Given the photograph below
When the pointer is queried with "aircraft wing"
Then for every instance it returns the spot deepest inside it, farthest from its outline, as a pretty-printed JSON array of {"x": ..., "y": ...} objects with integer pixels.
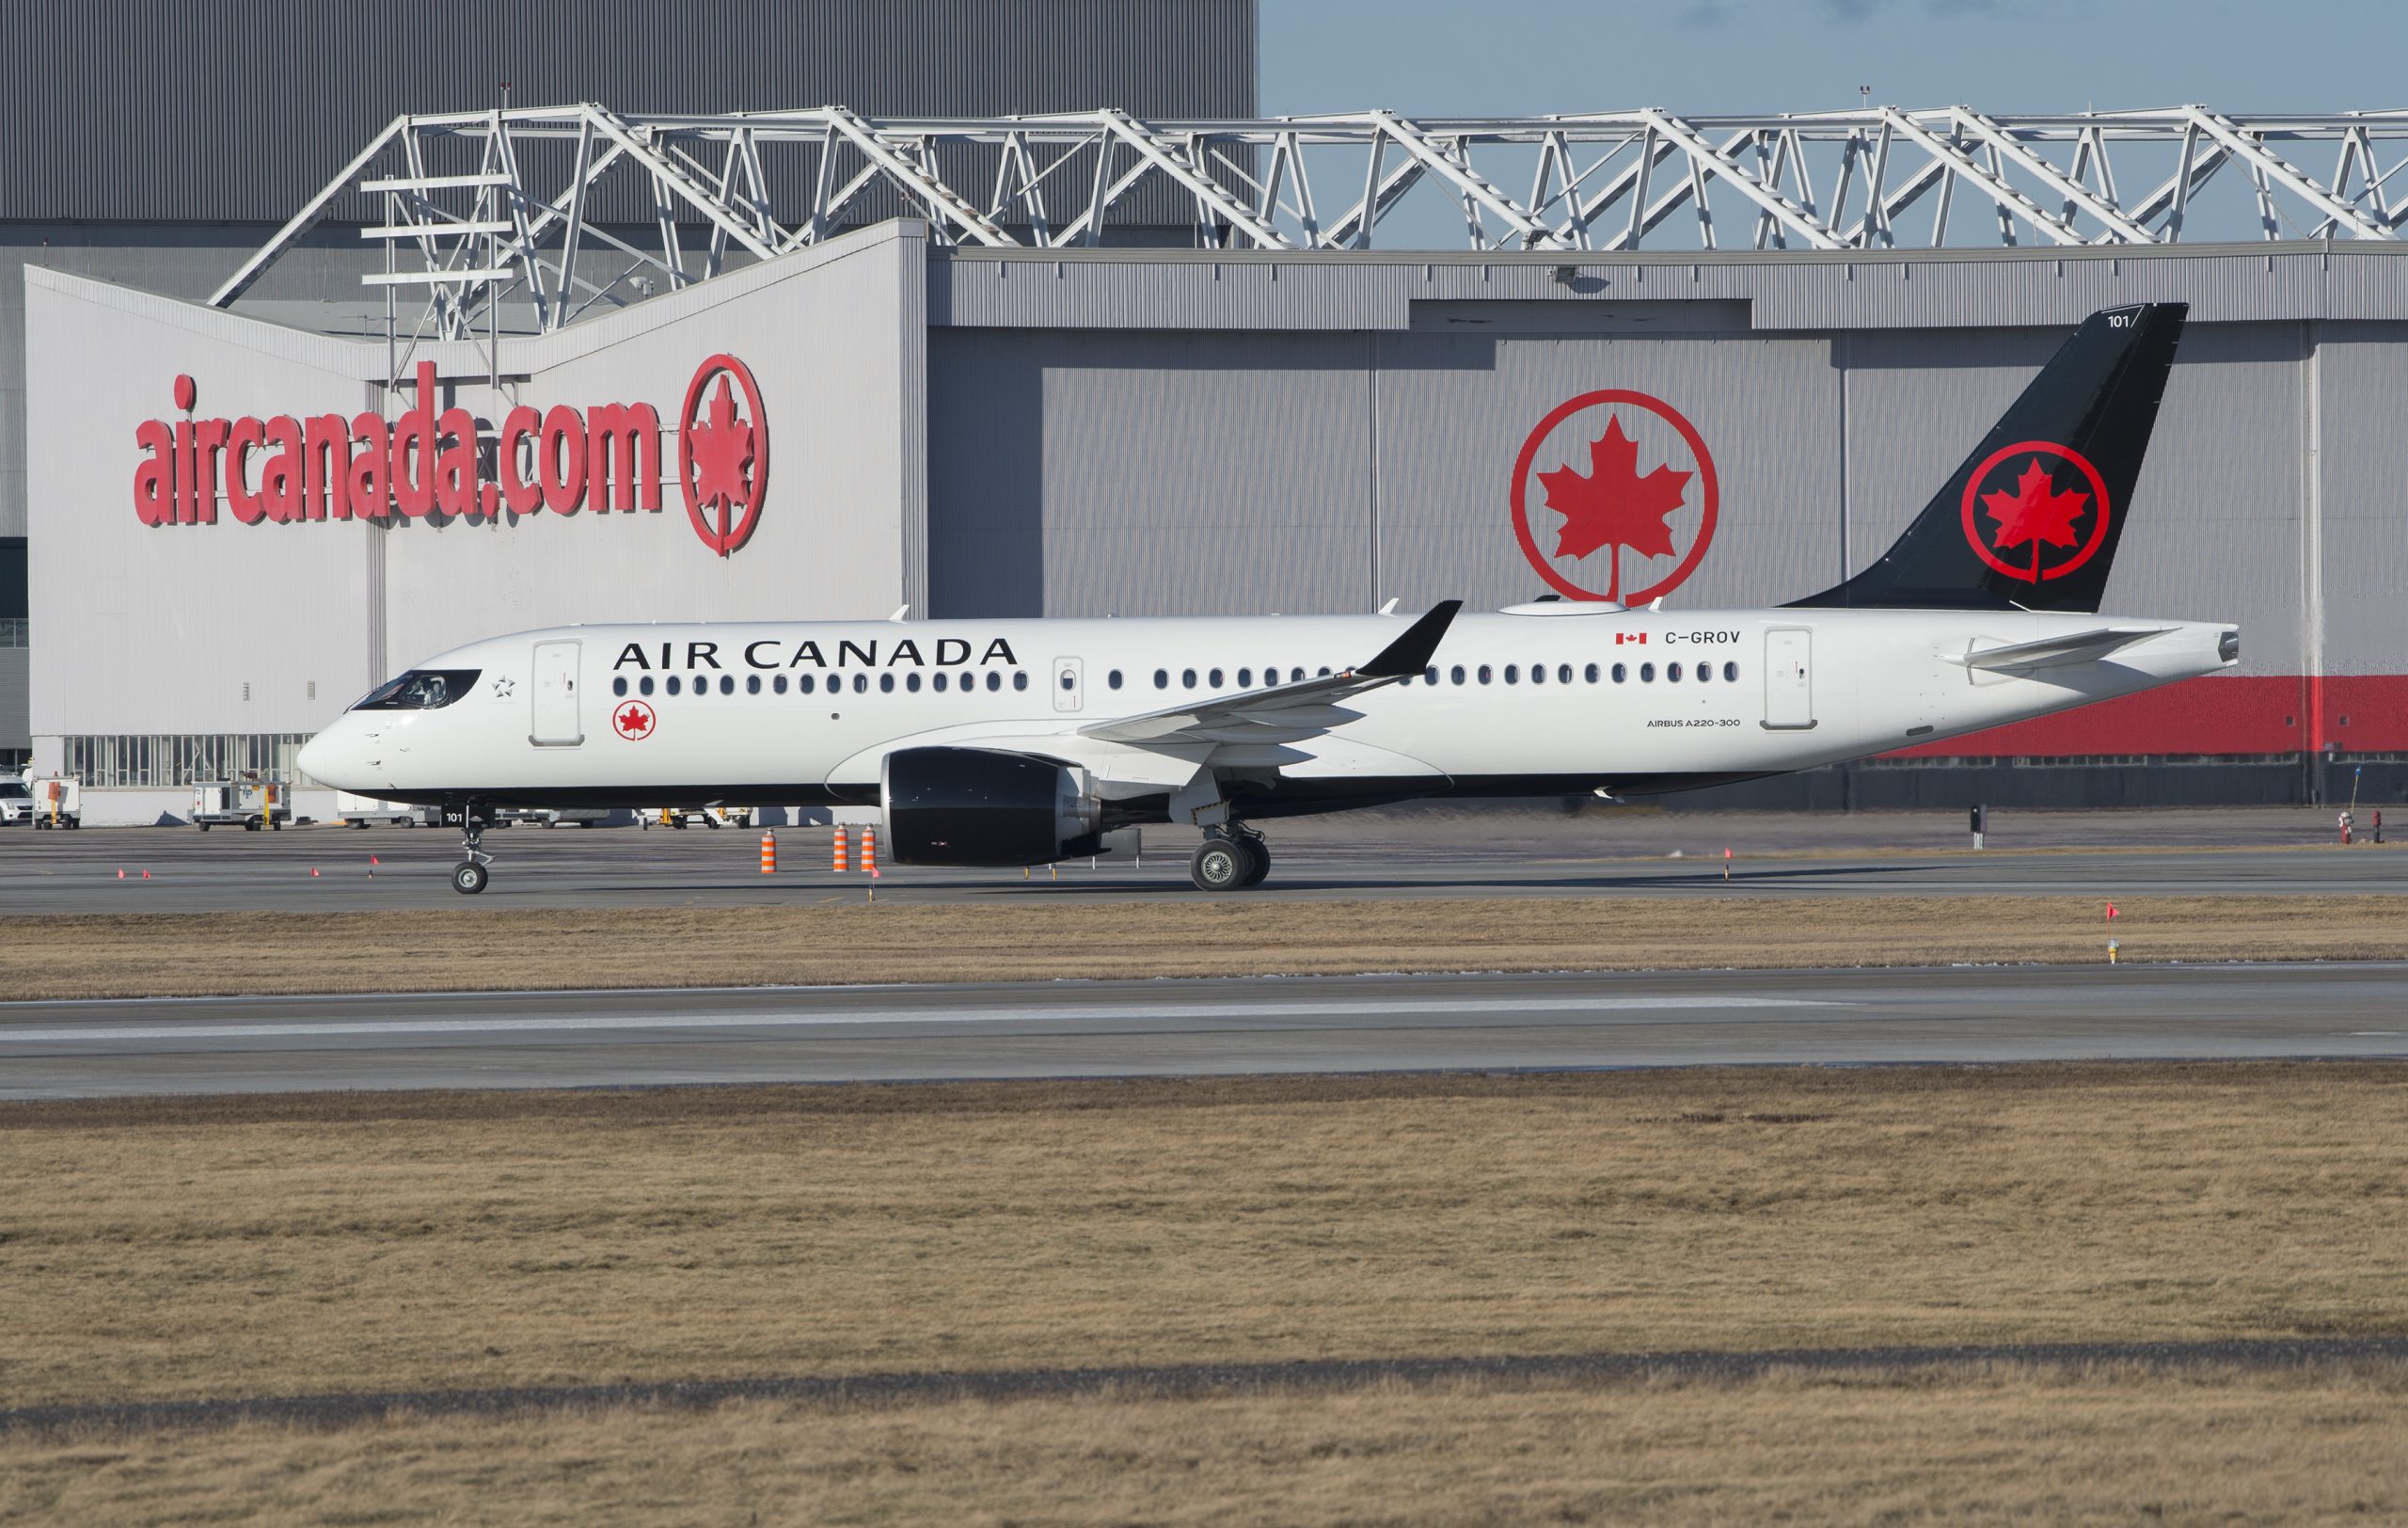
[
  {"x": 2056, "y": 652},
  {"x": 1283, "y": 712}
]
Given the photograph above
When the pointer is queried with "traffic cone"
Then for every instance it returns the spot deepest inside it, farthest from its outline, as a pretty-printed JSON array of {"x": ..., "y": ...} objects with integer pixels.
[
  {"x": 768, "y": 854},
  {"x": 869, "y": 850},
  {"x": 839, "y": 866},
  {"x": 145, "y": 875},
  {"x": 120, "y": 875},
  {"x": 313, "y": 872}
]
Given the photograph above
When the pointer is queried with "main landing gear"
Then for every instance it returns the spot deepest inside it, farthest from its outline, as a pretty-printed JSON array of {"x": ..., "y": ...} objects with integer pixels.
[
  {"x": 1233, "y": 858},
  {"x": 468, "y": 877}
]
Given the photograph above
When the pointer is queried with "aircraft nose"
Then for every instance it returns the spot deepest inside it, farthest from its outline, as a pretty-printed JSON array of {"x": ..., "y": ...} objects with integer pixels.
[{"x": 321, "y": 758}]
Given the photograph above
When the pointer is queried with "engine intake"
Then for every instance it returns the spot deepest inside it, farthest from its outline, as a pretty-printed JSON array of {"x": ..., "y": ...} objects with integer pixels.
[{"x": 985, "y": 806}]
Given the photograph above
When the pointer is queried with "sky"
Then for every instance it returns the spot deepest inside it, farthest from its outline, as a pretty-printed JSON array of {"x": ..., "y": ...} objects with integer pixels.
[
  {"x": 1514, "y": 58},
  {"x": 1531, "y": 57}
]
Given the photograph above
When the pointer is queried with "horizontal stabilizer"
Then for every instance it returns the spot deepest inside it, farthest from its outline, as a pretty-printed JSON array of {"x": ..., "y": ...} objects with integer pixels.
[{"x": 2057, "y": 652}]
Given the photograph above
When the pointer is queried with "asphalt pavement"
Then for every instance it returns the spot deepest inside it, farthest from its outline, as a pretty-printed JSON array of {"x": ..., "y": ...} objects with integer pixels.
[
  {"x": 1258, "y": 1024},
  {"x": 1407, "y": 854}
]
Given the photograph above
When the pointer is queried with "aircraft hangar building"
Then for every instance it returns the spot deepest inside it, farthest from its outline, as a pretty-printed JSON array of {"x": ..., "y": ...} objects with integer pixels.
[{"x": 1027, "y": 390}]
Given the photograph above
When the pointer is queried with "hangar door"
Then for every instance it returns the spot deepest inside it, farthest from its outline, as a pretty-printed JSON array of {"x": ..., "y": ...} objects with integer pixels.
[
  {"x": 556, "y": 720},
  {"x": 1789, "y": 678}
]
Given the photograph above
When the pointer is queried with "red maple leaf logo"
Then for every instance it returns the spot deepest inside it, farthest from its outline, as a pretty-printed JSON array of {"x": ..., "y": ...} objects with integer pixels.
[
  {"x": 1613, "y": 505},
  {"x": 722, "y": 456},
  {"x": 2035, "y": 513},
  {"x": 634, "y": 722}
]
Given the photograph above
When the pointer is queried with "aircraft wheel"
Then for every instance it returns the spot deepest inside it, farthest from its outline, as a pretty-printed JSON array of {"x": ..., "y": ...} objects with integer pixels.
[
  {"x": 467, "y": 878},
  {"x": 1222, "y": 865},
  {"x": 1259, "y": 854},
  {"x": 202, "y": 826}
]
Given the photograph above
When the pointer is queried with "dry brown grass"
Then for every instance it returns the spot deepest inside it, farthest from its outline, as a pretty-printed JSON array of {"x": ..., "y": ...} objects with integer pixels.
[
  {"x": 189, "y": 954},
  {"x": 232, "y": 1247},
  {"x": 2019, "y": 1446}
]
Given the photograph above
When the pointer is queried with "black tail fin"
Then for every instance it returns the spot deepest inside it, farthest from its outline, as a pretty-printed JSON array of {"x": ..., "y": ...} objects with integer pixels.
[{"x": 2032, "y": 518}]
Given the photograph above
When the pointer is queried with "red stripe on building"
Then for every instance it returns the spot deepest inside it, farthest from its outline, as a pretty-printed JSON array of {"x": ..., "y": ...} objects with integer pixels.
[{"x": 2255, "y": 714}]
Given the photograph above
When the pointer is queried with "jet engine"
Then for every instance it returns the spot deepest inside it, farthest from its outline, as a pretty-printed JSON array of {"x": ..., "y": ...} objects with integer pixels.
[{"x": 986, "y": 807}]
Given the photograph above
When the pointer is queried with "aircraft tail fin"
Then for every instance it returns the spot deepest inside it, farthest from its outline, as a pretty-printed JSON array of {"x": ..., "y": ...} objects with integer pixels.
[{"x": 2032, "y": 518}]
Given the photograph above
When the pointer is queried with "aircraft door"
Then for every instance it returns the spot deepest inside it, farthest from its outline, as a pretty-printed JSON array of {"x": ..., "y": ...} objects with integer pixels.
[
  {"x": 1069, "y": 685},
  {"x": 1789, "y": 678},
  {"x": 557, "y": 717}
]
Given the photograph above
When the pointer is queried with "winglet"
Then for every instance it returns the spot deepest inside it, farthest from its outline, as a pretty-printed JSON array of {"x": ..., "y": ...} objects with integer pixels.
[{"x": 1410, "y": 653}]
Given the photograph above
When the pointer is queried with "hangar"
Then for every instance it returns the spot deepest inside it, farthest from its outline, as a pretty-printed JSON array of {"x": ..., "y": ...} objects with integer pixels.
[{"x": 1032, "y": 390}]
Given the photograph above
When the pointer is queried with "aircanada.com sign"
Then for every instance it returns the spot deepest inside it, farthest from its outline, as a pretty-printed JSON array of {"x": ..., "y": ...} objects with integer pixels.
[{"x": 291, "y": 470}]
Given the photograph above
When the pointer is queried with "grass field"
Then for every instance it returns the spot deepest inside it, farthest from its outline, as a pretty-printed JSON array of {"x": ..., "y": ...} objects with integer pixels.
[
  {"x": 2043, "y": 1447},
  {"x": 154, "y": 1249},
  {"x": 176, "y": 954},
  {"x": 261, "y": 1245}
]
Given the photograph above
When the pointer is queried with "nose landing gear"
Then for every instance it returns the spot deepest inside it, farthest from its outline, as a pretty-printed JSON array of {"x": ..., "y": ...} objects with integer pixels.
[
  {"x": 468, "y": 877},
  {"x": 1233, "y": 858}
]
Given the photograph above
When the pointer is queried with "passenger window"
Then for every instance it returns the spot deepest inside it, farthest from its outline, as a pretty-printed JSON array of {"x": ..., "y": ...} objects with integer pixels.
[
  {"x": 939, "y": 681},
  {"x": 1672, "y": 672},
  {"x": 1246, "y": 678},
  {"x": 1704, "y": 672},
  {"x": 1537, "y": 673},
  {"x": 1486, "y": 674},
  {"x": 994, "y": 681},
  {"x": 1161, "y": 678},
  {"x": 861, "y": 684},
  {"x": 1457, "y": 673},
  {"x": 674, "y": 684},
  {"x": 1431, "y": 673},
  {"x": 886, "y": 684},
  {"x": 752, "y": 684},
  {"x": 619, "y": 684},
  {"x": 1513, "y": 673},
  {"x": 1564, "y": 674},
  {"x": 727, "y": 684},
  {"x": 911, "y": 682},
  {"x": 1019, "y": 681},
  {"x": 1646, "y": 674},
  {"x": 1593, "y": 674},
  {"x": 1731, "y": 673},
  {"x": 1187, "y": 679},
  {"x": 804, "y": 684},
  {"x": 1621, "y": 673},
  {"x": 1069, "y": 680},
  {"x": 778, "y": 683},
  {"x": 643, "y": 686},
  {"x": 1324, "y": 673},
  {"x": 1112, "y": 678}
]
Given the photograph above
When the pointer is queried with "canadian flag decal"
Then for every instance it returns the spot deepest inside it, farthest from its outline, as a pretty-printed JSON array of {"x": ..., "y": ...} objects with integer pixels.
[{"x": 1621, "y": 637}]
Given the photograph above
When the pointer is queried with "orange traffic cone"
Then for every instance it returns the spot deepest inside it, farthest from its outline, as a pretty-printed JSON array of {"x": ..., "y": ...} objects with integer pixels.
[
  {"x": 768, "y": 854},
  {"x": 840, "y": 851}
]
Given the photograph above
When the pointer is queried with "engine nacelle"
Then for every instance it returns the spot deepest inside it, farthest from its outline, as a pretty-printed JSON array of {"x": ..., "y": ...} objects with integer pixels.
[{"x": 985, "y": 806}]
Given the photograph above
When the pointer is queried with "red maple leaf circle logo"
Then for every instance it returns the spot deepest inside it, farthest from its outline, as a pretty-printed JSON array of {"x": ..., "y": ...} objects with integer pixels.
[
  {"x": 2027, "y": 508},
  {"x": 723, "y": 455},
  {"x": 633, "y": 721},
  {"x": 1613, "y": 506}
]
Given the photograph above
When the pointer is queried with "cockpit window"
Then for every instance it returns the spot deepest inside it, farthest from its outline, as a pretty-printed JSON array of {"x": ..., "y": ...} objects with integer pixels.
[{"x": 421, "y": 690}]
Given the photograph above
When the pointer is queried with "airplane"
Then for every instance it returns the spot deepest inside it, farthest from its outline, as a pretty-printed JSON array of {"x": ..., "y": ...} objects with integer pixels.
[{"x": 1002, "y": 742}]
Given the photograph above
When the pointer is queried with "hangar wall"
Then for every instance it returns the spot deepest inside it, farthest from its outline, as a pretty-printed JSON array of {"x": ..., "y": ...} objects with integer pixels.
[
  {"x": 1325, "y": 437},
  {"x": 272, "y": 628}
]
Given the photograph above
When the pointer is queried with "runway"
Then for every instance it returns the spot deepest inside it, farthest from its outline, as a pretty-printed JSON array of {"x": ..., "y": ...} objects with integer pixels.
[
  {"x": 1524, "y": 853},
  {"x": 1274, "y": 1025}
]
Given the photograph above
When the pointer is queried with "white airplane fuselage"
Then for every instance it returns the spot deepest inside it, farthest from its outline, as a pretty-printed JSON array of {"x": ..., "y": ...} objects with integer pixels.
[{"x": 1554, "y": 699}]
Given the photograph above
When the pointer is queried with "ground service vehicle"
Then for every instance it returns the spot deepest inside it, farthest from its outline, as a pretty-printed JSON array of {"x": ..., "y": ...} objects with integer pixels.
[{"x": 252, "y": 804}]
